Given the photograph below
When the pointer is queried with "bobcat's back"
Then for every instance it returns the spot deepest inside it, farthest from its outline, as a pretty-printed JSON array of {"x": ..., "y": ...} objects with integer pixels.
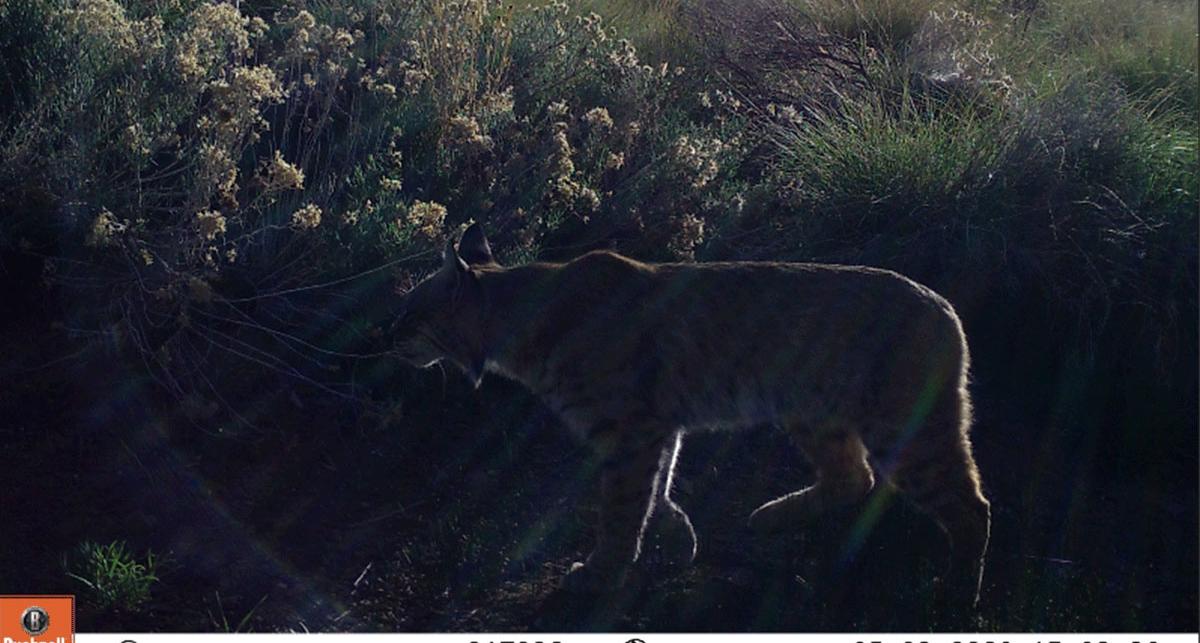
[{"x": 732, "y": 344}]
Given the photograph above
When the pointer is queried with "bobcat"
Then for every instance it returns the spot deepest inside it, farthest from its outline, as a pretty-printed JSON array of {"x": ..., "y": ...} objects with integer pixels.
[{"x": 850, "y": 360}]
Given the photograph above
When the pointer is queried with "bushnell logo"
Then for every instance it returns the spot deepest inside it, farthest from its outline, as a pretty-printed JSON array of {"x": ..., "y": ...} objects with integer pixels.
[{"x": 35, "y": 620}]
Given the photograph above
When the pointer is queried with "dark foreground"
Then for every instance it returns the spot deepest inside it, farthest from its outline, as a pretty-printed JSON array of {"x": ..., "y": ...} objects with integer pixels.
[{"x": 460, "y": 510}]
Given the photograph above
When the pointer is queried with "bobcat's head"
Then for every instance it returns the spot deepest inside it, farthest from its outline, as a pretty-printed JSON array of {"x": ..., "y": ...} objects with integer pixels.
[{"x": 442, "y": 317}]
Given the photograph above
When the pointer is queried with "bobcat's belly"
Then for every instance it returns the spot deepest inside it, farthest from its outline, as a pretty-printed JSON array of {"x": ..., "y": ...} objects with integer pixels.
[
  {"x": 726, "y": 402},
  {"x": 686, "y": 411}
]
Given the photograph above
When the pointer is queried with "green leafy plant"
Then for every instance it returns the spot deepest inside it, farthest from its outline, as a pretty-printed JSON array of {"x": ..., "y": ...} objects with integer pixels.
[{"x": 112, "y": 576}]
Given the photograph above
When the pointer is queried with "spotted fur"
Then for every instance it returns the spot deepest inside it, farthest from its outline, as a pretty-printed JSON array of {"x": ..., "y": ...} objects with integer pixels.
[{"x": 852, "y": 361}]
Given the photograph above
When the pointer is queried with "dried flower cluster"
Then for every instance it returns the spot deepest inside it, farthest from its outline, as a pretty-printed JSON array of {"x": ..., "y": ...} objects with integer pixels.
[
  {"x": 597, "y": 119},
  {"x": 210, "y": 224},
  {"x": 280, "y": 175},
  {"x": 427, "y": 218},
  {"x": 565, "y": 191},
  {"x": 217, "y": 32},
  {"x": 106, "y": 22},
  {"x": 464, "y": 132},
  {"x": 104, "y": 230},
  {"x": 687, "y": 234},
  {"x": 696, "y": 158},
  {"x": 307, "y": 217}
]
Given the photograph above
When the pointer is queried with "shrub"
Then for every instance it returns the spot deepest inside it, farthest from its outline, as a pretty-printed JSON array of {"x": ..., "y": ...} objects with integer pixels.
[
  {"x": 887, "y": 25},
  {"x": 189, "y": 165},
  {"x": 207, "y": 180},
  {"x": 769, "y": 52},
  {"x": 1067, "y": 192}
]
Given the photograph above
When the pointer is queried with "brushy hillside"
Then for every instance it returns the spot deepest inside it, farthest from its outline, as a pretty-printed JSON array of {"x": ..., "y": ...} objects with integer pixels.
[{"x": 208, "y": 209}]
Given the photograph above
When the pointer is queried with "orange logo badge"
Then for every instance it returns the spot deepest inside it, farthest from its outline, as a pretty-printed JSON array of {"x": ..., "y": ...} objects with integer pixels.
[{"x": 37, "y": 619}]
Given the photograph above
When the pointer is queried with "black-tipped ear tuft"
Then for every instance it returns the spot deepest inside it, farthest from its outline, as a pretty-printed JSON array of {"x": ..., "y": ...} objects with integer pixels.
[{"x": 474, "y": 248}]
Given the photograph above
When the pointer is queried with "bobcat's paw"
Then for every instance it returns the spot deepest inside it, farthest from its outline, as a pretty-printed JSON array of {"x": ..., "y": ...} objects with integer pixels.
[
  {"x": 794, "y": 509},
  {"x": 956, "y": 595},
  {"x": 588, "y": 579},
  {"x": 669, "y": 541},
  {"x": 774, "y": 517}
]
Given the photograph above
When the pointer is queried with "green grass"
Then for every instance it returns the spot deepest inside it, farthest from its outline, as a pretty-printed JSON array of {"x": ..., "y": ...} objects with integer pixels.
[
  {"x": 1149, "y": 47},
  {"x": 653, "y": 26},
  {"x": 112, "y": 577},
  {"x": 220, "y": 620},
  {"x": 888, "y": 25},
  {"x": 1090, "y": 193},
  {"x": 873, "y": 157}
]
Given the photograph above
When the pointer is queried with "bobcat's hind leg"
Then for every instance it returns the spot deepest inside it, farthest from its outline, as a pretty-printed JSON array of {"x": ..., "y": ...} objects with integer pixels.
[
  {"x": 843, "y": 478},
  {"x": 672, "y": 539},
  {"x": 630, "y": 455},
  {"x": 939, "y": 475}
]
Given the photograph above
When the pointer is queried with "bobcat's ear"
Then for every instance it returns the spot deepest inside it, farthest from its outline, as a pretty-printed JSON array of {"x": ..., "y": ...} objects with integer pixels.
[
  {"x": 451, "y": 263},
  {"x": 474, "y": 248}
]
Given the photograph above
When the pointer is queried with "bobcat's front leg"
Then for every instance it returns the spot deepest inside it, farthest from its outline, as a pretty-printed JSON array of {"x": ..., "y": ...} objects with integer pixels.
[
  {"x": 630, "y": 460},
  {"x": 668, "y": 527}
]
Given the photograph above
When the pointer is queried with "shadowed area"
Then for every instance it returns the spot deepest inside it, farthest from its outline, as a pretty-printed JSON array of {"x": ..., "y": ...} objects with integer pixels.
[{"x": 464, "y": 509}]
